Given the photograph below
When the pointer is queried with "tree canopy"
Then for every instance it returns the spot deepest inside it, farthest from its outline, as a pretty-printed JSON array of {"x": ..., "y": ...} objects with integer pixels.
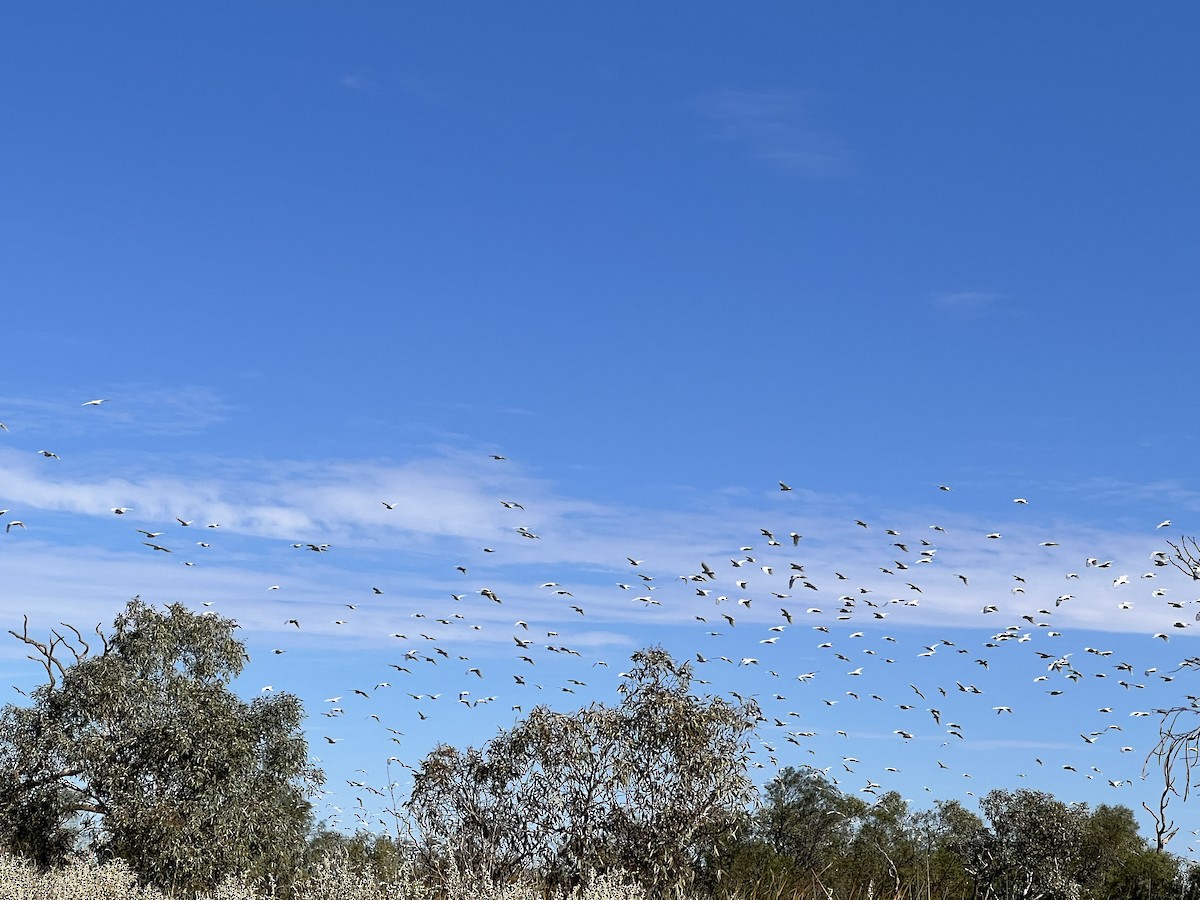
[
  {"x": 139, "y": 748},
  {"x": 648, "y": 787}
]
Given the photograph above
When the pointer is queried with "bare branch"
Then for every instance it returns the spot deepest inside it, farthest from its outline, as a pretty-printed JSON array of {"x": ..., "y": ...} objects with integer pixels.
[
  {"x": 79, "y": 637},
  {"x": 47, "y": 657},
  {"x": 1186, "y": 558}
]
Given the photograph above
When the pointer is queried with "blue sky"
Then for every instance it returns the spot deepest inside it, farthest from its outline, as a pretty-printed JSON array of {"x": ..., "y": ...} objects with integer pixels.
[{"x": 317, "y": 259}]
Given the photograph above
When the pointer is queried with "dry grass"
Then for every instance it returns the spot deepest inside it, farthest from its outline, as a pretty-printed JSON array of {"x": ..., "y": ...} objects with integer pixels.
[{"x": 332, "y": 880}]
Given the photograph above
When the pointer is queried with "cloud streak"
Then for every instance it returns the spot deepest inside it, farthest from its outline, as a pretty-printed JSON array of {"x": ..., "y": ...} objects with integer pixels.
[{"x": 777, "y": 127}]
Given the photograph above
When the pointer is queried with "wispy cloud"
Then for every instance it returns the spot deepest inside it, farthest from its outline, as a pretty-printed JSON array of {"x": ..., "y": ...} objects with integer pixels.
[
  {"x": 777, "y": 127},
  {"x": 449, "y": 507},
  {"x": 146, "y": 408},
  {"x": 971, "y": 304},
  {"x": 430, "y": 624},
  {"x": 425, "y": 90}
]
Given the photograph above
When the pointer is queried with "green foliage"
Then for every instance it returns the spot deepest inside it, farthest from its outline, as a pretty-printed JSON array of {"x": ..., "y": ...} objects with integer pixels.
[
  {"x": 806, "y": 819},
  {"x": 376, "y": 857},
  {"x": 809, "y": 838},
  {"x": 1033, "y": 846},
  {"x": 649, "y": 787},
  {"x": 167, "y": 767}
]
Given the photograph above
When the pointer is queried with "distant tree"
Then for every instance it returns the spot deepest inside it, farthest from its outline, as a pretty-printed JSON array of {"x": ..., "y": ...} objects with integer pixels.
[
  {"x": 142, "y": 750},
  {"x": 377, "y": 857},
  {"x": 649, "y": 787},
  {"x": 805, "y": 818},
  {"x": 1110, "y": 840},
  {"x": 1031, "y": 849},
  {"x": 884, "y": 850},
  {"x": 942, "y": 833}
]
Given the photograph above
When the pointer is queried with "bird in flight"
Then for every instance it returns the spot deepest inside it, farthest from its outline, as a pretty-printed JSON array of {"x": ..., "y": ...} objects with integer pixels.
[{"x": 94, "y": 402}]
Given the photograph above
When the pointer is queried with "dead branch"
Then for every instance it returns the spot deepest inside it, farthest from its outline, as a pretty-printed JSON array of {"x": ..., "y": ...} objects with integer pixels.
[
  {"x": 1177, "y": 746},
  {"x": 104, "y": 640},
  {"x": 1186, "y": 558},
  {"x": 79, "y": 637},
  {"x": 47, "y": 657}
]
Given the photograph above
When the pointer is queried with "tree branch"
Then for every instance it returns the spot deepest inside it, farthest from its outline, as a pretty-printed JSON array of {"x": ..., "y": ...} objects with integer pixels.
[{"x": 47, "y": 658}]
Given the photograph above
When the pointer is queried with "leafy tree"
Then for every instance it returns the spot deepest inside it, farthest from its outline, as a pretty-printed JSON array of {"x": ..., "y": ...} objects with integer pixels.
[
  {"x": 1148, "y": 874},
  {"x": 1032, "y": 848},
  {"x": 377, "y": 857},
  {"x": 799, "y": 832},
  {"x": 1110, "y": 840},
  {"x": 144, "y": 750},
  {"x": 941, "y": 833},
  {"x": 806, "y": 819},
  {"x": 649, "y": 787},
  {"x": 884, "y": 850}
]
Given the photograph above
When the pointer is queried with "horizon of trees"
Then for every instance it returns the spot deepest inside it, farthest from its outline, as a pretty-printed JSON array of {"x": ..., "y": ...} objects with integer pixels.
[{"x": 136, "y": 748}]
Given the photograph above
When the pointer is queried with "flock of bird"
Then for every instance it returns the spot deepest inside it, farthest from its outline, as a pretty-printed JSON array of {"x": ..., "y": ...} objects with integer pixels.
[{"x": 816, "y": 646}]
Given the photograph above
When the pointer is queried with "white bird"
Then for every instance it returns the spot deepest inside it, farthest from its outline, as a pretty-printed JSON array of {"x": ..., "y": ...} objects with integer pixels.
[
  {"x": 49, "y": 455},
  {"x": 15, "y": 523},
  {"x": 121, "y": 510},
  {"x": 94, "y": 402}
]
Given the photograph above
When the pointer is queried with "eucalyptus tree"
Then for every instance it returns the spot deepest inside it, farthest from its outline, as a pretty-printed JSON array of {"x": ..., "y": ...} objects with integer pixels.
[
  {"x": 1032, "y": 847},
  {"x": 136, "y": 747},
  {"x": 648, "y": 787}
]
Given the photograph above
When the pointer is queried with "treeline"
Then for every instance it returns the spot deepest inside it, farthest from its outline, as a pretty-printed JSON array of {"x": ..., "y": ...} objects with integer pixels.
[
  {"x": 136, "y": 750},
  {"x": 810, "y": 839},
  {"x": 804, "y": 838}
]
